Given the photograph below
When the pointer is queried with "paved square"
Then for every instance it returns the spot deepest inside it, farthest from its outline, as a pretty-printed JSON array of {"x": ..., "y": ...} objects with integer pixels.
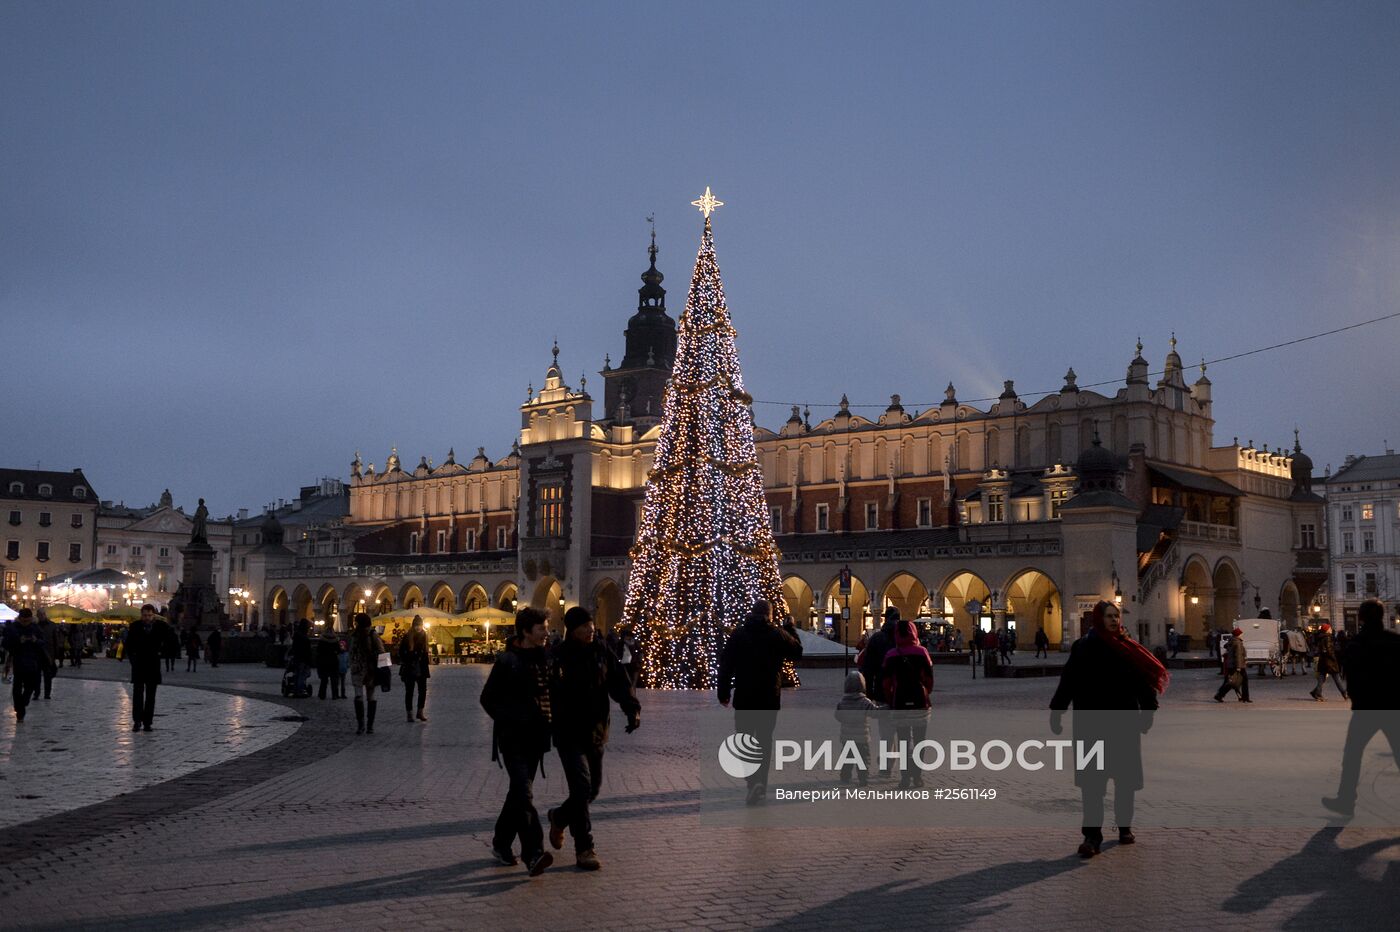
[{"x": 324, "y": 829}]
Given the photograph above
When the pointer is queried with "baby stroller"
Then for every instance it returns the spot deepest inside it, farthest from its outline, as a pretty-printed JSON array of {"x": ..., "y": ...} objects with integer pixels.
[{"x": 289, "y": 683}]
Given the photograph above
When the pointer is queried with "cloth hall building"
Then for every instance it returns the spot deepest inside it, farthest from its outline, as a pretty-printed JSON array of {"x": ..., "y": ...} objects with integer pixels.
[{"x": 1015, "y": 514}]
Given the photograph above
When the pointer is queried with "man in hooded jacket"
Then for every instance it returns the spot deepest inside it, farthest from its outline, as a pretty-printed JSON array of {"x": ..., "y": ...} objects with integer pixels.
[{"x": 750, "y": 672}]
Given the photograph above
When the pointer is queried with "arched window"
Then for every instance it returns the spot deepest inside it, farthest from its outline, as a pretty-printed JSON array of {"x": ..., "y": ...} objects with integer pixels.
[
  {"x": 46, "y": 490},
  {"x": 79, "y": 492},
  {"x": 1053, "y": 450},
  {"x": 16, "y": 488}
]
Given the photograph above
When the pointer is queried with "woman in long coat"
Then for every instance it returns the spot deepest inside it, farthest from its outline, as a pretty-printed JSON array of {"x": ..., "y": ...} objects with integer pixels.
[
  {"x": 1116, "y": 681},
  {"x": 365, "y": 648},
  {"x": 1327, "y": 664},
  {"x": 413, "y": 668}
]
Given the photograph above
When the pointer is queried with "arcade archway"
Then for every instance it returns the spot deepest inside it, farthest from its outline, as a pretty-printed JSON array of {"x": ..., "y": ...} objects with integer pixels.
[
  {"x": 410, "y": 596},
  {"x": 1226, "y": 579},
  {"x": 1033, "y": 601},
  {"x": 549, "y": 598},
  {"x": 833, "y": 603},
  {"x": 1289, "y": 604},
  {"x": 1198, "y": 598},
  {"x": 474, "y": 596},
  {"x": 507, "y": 597},
  {"x": 967, "y": 602},
  {"x": 442, "y": 598},
  {"x": 799, "y": 600},
  {"x": 906, "y": 593},
  {"x": 302, "y": 605},
  {"x": 607, "y": 605}
]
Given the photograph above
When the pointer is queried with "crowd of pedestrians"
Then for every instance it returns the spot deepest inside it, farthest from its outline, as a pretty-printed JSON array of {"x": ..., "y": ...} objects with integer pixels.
[{"x": 548, "y": 693}]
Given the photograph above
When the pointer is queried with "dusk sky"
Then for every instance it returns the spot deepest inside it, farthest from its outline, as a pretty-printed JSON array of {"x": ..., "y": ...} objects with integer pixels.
[{"x": 239, "y": 241}]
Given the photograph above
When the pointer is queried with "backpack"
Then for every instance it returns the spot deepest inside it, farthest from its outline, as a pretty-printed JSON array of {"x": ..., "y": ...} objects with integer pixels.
[{"x": 907, "y": 670}]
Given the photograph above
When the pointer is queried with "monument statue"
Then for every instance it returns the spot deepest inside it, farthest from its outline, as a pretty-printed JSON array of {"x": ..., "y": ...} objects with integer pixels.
[{"x": 200, "y": 534}]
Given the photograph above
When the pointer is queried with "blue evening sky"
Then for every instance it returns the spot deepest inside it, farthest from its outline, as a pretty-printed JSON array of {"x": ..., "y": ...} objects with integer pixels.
[{"x": 240, "y": 241}]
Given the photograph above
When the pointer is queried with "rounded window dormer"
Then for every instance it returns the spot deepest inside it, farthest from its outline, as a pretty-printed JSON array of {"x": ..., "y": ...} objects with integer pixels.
[
  {"x": 16, "y": 488},
  {"x": 79, "y": 492},
  {"x": 46, "y": 490}
]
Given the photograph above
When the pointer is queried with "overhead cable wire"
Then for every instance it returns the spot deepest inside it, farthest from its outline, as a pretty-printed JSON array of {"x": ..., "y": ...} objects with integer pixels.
[{"x": 1204, "y": 362}]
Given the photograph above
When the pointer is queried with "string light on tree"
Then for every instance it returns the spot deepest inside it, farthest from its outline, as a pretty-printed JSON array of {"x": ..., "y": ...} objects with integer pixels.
[{"x": 704, "y": 549}]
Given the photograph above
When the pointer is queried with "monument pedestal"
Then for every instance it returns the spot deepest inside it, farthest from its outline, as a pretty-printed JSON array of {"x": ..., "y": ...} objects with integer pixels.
[{"x": 197, "y": 602}]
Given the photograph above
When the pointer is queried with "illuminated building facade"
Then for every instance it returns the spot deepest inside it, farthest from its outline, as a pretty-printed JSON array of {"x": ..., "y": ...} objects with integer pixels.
[{"x": 971, "y": 513}]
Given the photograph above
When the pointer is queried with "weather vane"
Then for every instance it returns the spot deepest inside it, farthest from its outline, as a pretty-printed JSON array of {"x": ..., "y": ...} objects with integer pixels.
[{"x": 707, "y": 203}]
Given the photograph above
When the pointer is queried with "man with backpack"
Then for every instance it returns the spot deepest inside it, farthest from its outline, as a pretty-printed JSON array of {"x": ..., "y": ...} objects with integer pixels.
[{"x": 908, "y": 681}]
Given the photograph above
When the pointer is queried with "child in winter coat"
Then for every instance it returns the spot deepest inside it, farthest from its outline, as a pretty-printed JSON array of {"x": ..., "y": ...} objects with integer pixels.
[{"x": 853, "y": 712}]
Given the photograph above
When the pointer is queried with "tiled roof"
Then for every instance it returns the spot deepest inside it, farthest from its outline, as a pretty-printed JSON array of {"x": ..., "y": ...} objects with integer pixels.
[
  {"x": 1369, "y": 469},
  {"x": 63, "y": 485}
]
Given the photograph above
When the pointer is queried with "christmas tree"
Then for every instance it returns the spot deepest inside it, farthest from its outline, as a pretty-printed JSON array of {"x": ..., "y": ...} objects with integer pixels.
[{"x": 704, "y": 551}]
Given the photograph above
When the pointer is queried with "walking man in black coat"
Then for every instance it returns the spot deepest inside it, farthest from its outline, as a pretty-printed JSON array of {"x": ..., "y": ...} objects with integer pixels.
[
  {"x": 516, "y": 696},
  {"x": 1112, "y": 682},
  {"x": 145, "y": 642},
  {"x": 750, "y": 672},
  {"x": 1372, "y": 664},
  {"x": 1042, "y": 642},
  {"x": 584, "y": 675},
  {"x": 25, "y": 656},
  {"x": 872, "y": 658}
]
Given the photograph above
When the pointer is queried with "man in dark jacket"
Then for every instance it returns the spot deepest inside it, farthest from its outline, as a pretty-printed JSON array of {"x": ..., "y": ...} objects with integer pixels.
[
  {"x": 213, "y": 645},
  {"x": 24, "y": 653},
  {"x": 516, "y": 696},
  {"x": 302, "y": 658},
  {"x": 584, "y": 675},
  {"x": 327, "y": 660},
  {"x": 872, "y": 660},
  {"x": 145, "y": 642},
  {"x": 750, "y": 671},
  {"x": 51, "y": 637},
  {"x": 1372, "y": 664}
]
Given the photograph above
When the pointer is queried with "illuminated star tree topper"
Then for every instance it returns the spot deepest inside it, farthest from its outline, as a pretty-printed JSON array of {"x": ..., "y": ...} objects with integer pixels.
[{"x": 704, "y": 549}]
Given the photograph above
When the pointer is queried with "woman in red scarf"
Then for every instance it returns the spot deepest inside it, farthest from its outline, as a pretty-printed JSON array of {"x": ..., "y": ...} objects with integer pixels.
[{"x": 1109, "y": 674}]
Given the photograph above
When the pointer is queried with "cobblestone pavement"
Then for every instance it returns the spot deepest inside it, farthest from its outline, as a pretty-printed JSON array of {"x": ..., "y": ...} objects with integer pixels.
[
  {"x": 329, "y": 830},
  {"x": 77, "y": 748}
]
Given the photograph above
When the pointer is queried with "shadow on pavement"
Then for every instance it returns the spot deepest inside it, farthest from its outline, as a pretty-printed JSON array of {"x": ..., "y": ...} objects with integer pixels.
[
  {"x": 451, "y": 879},
  {"x": 633, "y": 807},
  {"x": 1349, "y": 888},
  {"x": 951, "y": 903}
]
